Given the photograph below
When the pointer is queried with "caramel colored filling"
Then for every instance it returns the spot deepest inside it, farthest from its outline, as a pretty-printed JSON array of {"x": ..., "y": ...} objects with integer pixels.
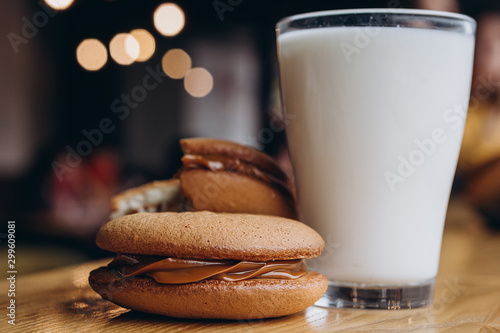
[
  {"x": 180, "y": 271},
  {"x": 225, "y": 163}
]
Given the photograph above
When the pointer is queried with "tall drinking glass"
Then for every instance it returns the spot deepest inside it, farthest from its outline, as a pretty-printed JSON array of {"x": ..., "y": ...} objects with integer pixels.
[{"x": 375, "y": 102}]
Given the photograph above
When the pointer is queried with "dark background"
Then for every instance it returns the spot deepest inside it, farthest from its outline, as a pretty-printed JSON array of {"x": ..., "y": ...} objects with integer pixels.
[{"x": 59, "y": 99}]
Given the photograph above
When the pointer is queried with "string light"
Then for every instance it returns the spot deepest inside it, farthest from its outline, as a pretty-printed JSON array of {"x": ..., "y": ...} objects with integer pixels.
[
  {"x": 91, "y": 54},
  {"x": 146, "y": 42},
  {"x": 124, "y": 49},
  {"x": 59, "y": 4},
  {"x": 169, "y": 19},
  {"x": 176, "y": 63},
  {"x": 198, "y": 82}
]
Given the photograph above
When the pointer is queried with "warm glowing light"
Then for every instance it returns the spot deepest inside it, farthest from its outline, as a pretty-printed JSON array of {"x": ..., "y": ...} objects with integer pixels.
[
  {"x": 146, "y": 44},
  {"x": 91, "y": 54},
  {"x": 124, "y": 49},
  {"x": 198, "y": 82},
  {"x": 59, "y": 4},
  {"x": 169, "y": 19},
  {"x": 176, "y": 63}
]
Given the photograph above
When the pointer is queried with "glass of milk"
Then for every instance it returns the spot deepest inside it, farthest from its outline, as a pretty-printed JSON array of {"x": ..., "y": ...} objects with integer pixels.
[{"x": 375, "y": 102}]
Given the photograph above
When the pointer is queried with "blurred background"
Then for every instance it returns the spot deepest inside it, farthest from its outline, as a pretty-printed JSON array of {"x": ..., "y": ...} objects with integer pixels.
[{"x": 95, "y": 95}]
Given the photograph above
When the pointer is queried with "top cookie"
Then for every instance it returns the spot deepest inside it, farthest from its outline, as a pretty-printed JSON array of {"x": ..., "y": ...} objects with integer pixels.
[{"x": 206, "y": 235}]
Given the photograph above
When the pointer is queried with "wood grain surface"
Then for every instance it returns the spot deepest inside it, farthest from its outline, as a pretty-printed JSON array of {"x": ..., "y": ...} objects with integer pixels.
[{"x": 467, "y": 299}]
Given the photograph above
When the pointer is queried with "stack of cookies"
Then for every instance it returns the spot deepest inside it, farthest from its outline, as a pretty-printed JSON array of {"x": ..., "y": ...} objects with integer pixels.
[{"x": 218, "y": 241}]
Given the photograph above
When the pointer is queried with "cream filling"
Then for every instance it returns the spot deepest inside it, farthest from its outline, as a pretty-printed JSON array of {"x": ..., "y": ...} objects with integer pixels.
[{"x": 150, "y": 200}]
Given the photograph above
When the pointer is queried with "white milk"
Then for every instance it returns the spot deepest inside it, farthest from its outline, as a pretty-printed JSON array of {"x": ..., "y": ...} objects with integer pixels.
[{"x": 375, "y": 122}]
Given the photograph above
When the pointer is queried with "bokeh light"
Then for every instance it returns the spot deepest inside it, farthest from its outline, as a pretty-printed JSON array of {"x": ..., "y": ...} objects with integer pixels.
[
  {"x": 176, "y": 63},
  {"x": 198, "y": 82},
  {"x": 124, "y": 49},
  {"x": 146, "y": 44},
  {"x": 59, "y": 4},
  {"x": 169, "y": 19},
  {"x": 91, "y": 54}
]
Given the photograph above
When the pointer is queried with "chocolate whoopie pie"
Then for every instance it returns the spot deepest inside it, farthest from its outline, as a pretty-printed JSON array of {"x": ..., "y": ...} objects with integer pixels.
[
  {"x": 223, "y": 176},
  {"x": 209, "y": 265}
]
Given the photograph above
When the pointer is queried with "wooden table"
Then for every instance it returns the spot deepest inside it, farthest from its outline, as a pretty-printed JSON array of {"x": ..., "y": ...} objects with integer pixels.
[{"x": 467, "y": 298}]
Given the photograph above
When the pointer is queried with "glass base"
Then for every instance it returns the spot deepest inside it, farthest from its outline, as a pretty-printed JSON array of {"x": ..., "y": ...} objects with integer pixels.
[{"x": 358, "y": 296}]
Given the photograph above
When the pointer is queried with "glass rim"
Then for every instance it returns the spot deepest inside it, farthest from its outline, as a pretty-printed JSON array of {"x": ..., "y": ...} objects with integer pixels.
[{"x": 390, "y": 11}]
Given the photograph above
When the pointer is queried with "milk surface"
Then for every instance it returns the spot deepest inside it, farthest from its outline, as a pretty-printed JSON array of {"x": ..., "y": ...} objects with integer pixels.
[{"x": 375, "y": 122}]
